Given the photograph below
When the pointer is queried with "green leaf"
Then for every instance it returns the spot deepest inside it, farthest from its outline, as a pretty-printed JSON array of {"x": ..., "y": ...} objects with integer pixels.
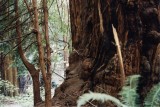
[
  {"x": 153, "y": 97},
  {"x": 128, "y": 94}
]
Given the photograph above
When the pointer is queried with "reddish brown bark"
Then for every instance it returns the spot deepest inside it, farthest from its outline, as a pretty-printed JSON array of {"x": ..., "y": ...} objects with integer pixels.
[
  {"x": 94, "y": 62},
  {"x": 8, "y": 73},
  {"x": 46, "y": 73},
  {"x": 36, "y": 88},
  {"x": 39, "y": 41},
  {"x": 30, "y": 67},
  {"x": 15, "y": 79},
  {"x": 48, "y": 102}
]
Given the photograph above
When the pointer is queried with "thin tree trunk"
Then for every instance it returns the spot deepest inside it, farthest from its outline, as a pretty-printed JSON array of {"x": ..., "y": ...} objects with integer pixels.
[
  {"x": 10, "y": 74},
  {"x": 32, "y": 70},
  {"x": 2, "y": 66},
  {"x": 48, "y": 102},
  {"x": 2, "y": 69},
  {"x": 5, "y": 67},
  {"x": 6, "y": 64},
  {"x": 15, "y": 80},
  {"x": 45, "y": 73},
  {"x": 36, "y": 89},
  {"x": 39, "y": 40},
  {"x": 65, "y": 52}
]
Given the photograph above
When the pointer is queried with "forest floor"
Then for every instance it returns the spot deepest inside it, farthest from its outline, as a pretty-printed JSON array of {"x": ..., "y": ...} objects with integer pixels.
[
  {"x": 26, "y": 100},
  {"x": 11, "y": 105}
]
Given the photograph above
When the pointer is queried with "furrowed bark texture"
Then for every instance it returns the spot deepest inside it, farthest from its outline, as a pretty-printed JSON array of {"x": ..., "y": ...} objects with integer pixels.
[{"x": 94, "y": 62}]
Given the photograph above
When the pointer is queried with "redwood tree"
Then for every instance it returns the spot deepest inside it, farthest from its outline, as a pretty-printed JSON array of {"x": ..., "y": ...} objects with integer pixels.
[
  {"x": 30, "y": 67},
  {"x": 8, "y": 71},
  {"x": 93, "y": 64},
  {"x": 46, "y": 73}
]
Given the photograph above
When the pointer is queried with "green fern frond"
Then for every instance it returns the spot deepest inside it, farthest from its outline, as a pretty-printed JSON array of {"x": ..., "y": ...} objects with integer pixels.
[
  {"x": 129, "y": 96},
  {"x": 153, "y": 97},
  {"x": 98, "y": 96}
]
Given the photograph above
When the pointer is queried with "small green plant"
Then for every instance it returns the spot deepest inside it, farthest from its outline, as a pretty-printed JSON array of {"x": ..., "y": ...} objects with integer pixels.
[
  {"x": 7, "y": 86},
  {"x": 129, "y": 95},
  {"x": 153, "y": 97},
  {"x": 23, "y": 100}
]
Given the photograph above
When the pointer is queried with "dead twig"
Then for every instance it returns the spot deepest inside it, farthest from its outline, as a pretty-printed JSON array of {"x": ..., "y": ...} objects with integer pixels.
[{"x": 119, "y": 55}]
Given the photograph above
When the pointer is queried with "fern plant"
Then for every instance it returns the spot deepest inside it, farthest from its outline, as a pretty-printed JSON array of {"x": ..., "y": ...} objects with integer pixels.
[
  {"x": 153, "y": 97},
  {"x": 98, "y": 96},
  {"x": 129, "y": 96},
  {"x": 7, "y": 86}
]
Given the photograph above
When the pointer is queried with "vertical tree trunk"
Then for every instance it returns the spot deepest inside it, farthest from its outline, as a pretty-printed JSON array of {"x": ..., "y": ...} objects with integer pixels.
[
  {"x": 92, "y": 39},
  {"x": 36, "y": 88},
  {"x": 5, "y": 71},
  {"x": 10, "y": 74},
  {"x": 39, "y": 40},
  {"x": 46, "y": 73},
  {"x": 32, "y": 70},
  {"x": 6, "y": 67},
  {"x": 2, "y": 66},
  {"x": 48, "y": 102},
  {"x": 150, "y": 59},
  {"x": 15, "y": 80},
  {"x": 2, "y": 71},
  {"x": 93, "y": 65}
]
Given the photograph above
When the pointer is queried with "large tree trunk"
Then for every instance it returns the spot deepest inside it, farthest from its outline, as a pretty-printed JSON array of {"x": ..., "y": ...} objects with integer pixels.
[
  {"x": 93, "y": 65},
  {"x": 92, "y": 39}
]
